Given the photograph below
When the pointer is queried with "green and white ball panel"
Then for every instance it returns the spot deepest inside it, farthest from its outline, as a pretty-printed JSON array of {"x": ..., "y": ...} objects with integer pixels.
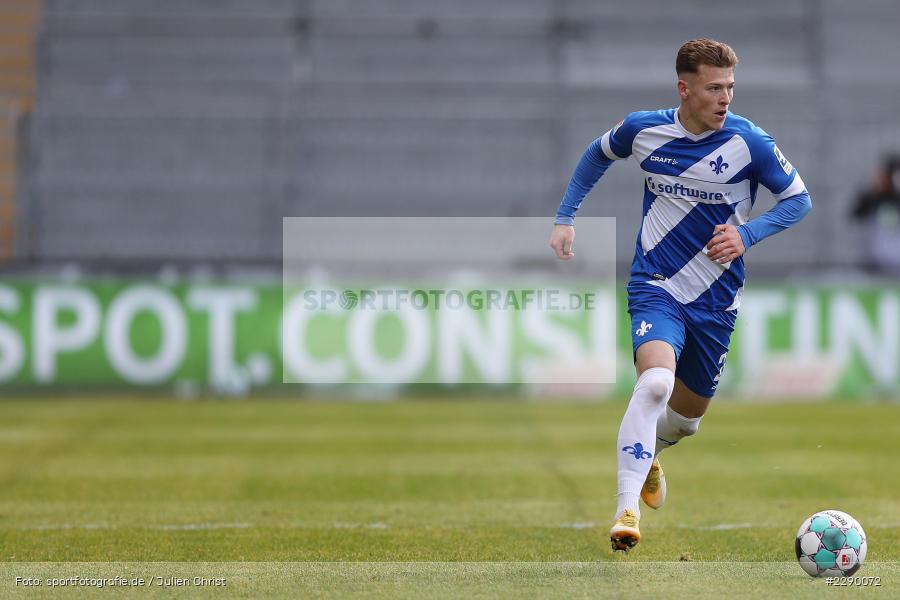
[
  {"x": 805, "y": 527},
  {"x": 854, "y": 539},
  {"x": 833, "y": 538},
  {"x": 819, "y": 523},
  {"x": 830, "y": 543},
  {"x": 824, "y": 559},
  {"x": 809, "y": 543},
  {"x": 809, "y": 565}
]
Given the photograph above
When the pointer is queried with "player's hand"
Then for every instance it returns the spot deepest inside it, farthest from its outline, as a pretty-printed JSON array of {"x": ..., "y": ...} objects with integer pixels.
[
  {"x": 562, "y": 239},
  {"x": 726, "y": 244}
]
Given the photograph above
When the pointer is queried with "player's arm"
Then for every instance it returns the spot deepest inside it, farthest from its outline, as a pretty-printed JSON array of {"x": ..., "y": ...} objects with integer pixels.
[
  {"x": 774, "y": 171},
  {"x": 590, "y": 169},
  {"x": 614, "y": 145}
]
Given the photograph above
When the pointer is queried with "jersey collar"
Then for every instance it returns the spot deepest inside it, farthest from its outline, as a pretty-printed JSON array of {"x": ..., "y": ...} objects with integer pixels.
[{"x": 688, "y": 134}]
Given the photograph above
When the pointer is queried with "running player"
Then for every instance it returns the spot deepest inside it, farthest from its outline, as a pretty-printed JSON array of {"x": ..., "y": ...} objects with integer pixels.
[{"x": 702, "y": 165}]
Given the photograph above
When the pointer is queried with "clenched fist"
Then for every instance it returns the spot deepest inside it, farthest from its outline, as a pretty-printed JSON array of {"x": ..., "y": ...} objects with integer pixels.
[
  {"x": 562, "y": 239},
  {"x": 726, "y": 244}
]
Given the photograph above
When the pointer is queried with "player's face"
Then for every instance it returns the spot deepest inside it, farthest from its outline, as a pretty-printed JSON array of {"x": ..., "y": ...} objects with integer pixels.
[{"x": 705, "y": 97}]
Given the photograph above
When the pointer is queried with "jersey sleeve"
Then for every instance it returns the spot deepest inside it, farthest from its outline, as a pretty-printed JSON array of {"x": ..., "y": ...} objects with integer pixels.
[
  {"x": 617, "y": 142},
  {"x": 590, "y": 169},
  {"x": 792, "y": 202},
  {"x": 772, "y": 169},
  {"x": 613, "y": 145}
]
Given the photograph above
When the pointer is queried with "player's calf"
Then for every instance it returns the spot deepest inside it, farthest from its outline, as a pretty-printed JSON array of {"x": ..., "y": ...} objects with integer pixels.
[
  {"x": 671, "y": 427},
  {"x": 636, "y": 435}
]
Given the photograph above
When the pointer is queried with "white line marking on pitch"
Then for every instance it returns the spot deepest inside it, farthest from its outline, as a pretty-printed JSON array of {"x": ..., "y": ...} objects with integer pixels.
[
  {"x": 361, "y": 526},
  {"x": 202, "y": 526},
  {"x": 728, "y": 526},
  {"x": 180, "y": 527},
  {"x": 378, "y": 525},
  {"x": 63, "y": 526},
  {"x": 587, "y": 525},
  {"x": 719, "y": 527}
]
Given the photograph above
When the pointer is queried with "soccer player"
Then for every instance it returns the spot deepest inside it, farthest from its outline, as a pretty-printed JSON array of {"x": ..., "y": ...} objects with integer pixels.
[{"x": 702, "y": 165}]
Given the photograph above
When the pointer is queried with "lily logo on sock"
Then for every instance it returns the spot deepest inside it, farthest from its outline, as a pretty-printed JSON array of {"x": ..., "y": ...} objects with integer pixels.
[
  {"x": 637, "y": 451},
  {"x": 643, "y": 329}
]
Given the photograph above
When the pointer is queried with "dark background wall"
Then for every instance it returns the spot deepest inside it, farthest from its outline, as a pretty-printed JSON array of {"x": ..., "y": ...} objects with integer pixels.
[{"x": 186, "y": 129}]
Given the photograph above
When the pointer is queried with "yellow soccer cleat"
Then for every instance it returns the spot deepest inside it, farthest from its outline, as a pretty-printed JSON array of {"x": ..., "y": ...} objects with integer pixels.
[
  {"x": 625, "y": 534},
  {"x": 653, "y": 493}
]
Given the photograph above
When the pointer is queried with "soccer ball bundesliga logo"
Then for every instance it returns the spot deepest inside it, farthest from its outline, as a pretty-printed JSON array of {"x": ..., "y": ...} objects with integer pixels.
[{"x": 831, "y": 543}]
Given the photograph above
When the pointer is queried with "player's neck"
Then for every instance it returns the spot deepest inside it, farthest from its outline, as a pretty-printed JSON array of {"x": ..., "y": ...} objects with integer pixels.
[{"x": 688, "y": 122}]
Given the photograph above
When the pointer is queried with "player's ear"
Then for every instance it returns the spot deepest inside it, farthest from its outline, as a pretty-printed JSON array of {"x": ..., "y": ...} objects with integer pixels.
[{"x": 682, "y": 89}]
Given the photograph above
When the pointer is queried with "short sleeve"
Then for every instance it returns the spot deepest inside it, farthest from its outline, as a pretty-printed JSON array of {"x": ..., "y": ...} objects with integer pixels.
[
  {"x": 772, "y": 169},
  {"x": 617, "y": 142}
]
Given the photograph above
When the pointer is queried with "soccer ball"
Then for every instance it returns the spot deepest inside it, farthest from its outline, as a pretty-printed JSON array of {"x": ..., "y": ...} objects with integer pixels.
[{"x": 831, "y": 543}]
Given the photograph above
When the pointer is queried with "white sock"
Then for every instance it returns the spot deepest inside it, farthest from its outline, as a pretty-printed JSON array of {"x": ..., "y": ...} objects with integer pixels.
[
  {"x": 672, "y": 426},
  {"x": 637, "y": 434}
]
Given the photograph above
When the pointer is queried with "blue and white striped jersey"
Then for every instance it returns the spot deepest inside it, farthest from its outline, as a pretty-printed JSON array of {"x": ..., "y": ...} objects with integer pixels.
[{"x": 691, "y": 184}]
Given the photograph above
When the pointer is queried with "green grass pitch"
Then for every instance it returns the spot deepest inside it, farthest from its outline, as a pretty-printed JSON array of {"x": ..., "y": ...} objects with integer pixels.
[{"x": 431, "y": 498}]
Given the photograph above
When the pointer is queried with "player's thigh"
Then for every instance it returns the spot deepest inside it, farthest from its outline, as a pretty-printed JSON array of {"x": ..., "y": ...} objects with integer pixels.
[
  {"x": 657, "y": 328},
  {"x": 705, "y": 350},
  {"x": 686, "y": 403},
  {"x": 654, "y": 353}
]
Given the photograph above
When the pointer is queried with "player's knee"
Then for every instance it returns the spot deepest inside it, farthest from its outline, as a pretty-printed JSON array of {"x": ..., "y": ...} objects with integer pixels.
[
  {"x": 656, "y": 384},
  {"x": 689, "y": 428},
  {"x": 685, "y": 426}
]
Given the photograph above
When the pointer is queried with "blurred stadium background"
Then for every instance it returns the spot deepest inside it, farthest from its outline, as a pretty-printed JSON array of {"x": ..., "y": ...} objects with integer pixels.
[
  {"x": 149, "y": 152},
  {"x": 162, "y": 144}
]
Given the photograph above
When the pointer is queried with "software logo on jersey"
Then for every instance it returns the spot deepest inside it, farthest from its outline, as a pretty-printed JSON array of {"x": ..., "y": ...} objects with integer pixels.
[{"x": 690, "y": 194}]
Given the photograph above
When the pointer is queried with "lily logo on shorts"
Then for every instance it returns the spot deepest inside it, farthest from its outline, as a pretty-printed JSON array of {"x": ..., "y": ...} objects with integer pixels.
[
  {"x": 637, "y": 451},
  {"x": 643, "y": 329}
]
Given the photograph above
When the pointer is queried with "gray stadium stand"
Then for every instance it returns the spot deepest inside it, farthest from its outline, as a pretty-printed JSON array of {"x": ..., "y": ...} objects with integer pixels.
[{"x": 185, "y": 130}]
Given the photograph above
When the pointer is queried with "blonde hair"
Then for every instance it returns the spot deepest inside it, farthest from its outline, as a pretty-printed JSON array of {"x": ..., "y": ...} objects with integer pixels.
[{"x": 694, "y": 53}]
